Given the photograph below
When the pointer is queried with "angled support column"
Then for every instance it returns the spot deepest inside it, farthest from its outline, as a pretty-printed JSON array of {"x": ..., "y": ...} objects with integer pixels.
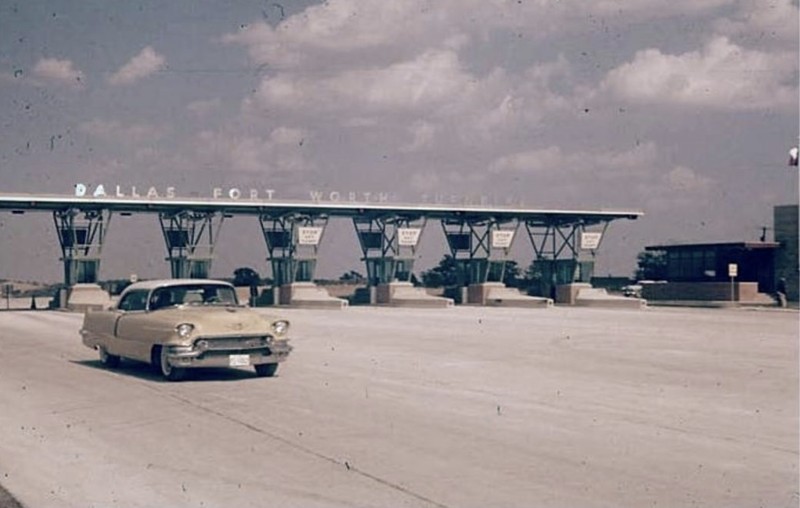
[
  {"x": 190, "y": 237},
  {"x": 389, "y": 245},
  {"x": 293, "y": 242},
  {"x": 564, "y": 252},
  {"x": 81, "y": 234}
]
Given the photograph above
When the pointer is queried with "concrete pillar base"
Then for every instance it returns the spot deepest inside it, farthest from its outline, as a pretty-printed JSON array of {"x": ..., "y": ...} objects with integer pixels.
[
  {"x": 83, "y": 297},
  {"x": 404, "y": 294},
  {"x": 496, "y": 294},
  {"x": 567, "y": 294},
  {"x": 584, "y": 295},
  {"x": 308, "y": 295}
]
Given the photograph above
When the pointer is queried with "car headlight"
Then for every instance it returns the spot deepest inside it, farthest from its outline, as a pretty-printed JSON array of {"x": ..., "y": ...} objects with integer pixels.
[
  {"x": 280, "y": 327},
  {"x": 184, "y": 329}
]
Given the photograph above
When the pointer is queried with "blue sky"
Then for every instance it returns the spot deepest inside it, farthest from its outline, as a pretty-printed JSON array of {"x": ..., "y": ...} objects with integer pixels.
[{"x": 683, "y": 109}]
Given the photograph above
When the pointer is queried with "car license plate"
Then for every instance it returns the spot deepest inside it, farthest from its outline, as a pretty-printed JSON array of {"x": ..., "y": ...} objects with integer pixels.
[{"x": 238, "y": 360}]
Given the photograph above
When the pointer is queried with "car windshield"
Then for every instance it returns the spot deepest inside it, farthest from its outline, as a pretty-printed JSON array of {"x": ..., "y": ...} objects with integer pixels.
[{"x": 192, "y": 294}]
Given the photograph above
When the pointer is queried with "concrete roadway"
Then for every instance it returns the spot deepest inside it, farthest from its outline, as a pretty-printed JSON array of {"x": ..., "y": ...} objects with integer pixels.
[{"x": 462, "y": 407}]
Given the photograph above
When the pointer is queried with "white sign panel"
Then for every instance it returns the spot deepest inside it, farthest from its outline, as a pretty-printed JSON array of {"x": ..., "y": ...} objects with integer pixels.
[
  {"x": 307, "y": 235},
  {"x": 733, "y": 270},
  {"x": 408, "y": 237},
  {"x": 590, "y": 240},
  {"x": 502, "y": 239}
]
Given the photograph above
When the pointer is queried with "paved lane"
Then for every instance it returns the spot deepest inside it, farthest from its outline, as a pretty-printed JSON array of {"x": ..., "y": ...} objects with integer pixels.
[{"x": 391, "y": 407}]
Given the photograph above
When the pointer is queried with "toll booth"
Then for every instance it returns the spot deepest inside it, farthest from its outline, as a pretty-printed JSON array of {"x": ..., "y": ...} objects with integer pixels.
[
  {"x": 481, "y": 247},
  {"x": 564, "y": 250},
  {"x": 190, "y": 237},
  {"x": 293, "y": 241},
  {"x": 81, "y": 235},
  {"x": 389, "y": 245}
]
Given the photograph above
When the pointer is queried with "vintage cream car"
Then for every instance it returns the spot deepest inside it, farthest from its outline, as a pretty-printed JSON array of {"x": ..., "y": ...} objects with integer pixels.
[{"x": 183, "y": 323}]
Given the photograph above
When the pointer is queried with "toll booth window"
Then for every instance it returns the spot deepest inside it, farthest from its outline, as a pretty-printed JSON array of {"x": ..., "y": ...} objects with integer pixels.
[{"x": 133, "y": 301}]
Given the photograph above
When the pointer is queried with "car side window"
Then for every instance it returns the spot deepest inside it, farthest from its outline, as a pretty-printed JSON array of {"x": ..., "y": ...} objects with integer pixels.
[
  {"x": 164, "y": 297},
  {"x": 133, "y": 301}
]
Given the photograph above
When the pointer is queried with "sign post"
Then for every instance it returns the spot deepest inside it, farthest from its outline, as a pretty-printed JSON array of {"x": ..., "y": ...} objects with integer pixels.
[
  {"x": 733, "y": 272},
  {"x": 7, "y": 288}
]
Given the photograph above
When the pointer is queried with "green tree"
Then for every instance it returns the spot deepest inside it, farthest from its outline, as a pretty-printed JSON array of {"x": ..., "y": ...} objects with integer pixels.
[
  {"x": 512, "y": 275},
  {"x": 447, "y": 273},
  {"x": 246, "y": 276},
  {"x": 651, "y": 265},
  {"x": 352, "y": 277}
]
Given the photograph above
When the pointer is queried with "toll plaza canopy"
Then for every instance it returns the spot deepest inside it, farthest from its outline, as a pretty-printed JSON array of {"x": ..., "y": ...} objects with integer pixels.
[
  {"x": 478, "y": 236},
  {"x": 22, "y": 202}
]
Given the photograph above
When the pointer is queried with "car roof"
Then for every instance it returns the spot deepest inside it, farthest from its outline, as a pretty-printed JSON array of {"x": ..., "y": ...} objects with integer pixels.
[{"x": 152, "y": 284}]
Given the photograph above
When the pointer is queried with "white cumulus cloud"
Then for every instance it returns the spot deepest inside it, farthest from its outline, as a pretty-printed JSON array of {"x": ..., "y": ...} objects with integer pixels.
[
  {"x": 204, "y": 107},
  {"x": 280, "y": 150},
  {"x": 686, "y": 179},
  {"x": 142, "y": 65},
  {"x": 422, "y": 134},
  {"x": 556, "y": 160},
  {"x": 59, "y": 71},
  {"x": 722, "y": 75},
  {"x": 427, "y": 80}
]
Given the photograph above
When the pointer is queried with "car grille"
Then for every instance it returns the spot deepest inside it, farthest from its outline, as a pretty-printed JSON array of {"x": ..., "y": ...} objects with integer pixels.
[{"x": 232, "y": 343}]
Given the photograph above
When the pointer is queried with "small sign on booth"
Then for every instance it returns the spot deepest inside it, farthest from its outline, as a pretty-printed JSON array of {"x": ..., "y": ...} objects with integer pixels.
[
  {"x": 590, "y": 240},
  {"x": 408, "y": 237},
  {"x": 308, "y": 235},
  {"x": 501, "y": 239}
]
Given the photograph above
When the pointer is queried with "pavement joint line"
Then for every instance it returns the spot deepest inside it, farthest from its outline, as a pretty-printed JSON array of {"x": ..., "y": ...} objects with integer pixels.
[{"x": 308, "y": 451}]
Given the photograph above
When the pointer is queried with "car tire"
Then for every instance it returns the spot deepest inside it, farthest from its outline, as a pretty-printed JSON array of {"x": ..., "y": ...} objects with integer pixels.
[
  {"x": 266, "y": 369},
  {"x": 162, "y": 366},
  {"x": 107, "y": 359}
]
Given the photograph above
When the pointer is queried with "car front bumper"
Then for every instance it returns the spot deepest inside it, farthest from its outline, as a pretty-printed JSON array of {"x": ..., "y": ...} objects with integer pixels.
[{"x": 184, "y": 357}]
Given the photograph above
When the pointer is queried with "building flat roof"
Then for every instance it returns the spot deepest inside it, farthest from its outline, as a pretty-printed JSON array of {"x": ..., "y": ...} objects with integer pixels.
[
  {"x": 49, "y": 202},
  {"x": 730, "y": 245}
]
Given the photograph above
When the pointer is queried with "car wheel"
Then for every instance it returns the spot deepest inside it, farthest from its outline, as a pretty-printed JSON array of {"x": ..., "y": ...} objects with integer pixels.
[
  {"x": 106, "y": 358},
  {"x": 162, "y": 366},
  {"x": 266, "y": 369}
]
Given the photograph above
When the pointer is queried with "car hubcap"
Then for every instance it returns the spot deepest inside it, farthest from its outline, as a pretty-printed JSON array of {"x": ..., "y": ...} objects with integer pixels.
[{"x": 166, "y": 368}]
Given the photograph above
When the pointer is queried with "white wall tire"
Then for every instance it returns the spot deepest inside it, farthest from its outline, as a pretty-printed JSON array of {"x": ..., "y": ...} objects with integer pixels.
[{"x": 162, "y": 365}]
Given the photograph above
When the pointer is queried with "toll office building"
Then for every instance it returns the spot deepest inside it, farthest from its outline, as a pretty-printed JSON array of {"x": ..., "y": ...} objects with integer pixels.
[{"x": 748, "y": 272}]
